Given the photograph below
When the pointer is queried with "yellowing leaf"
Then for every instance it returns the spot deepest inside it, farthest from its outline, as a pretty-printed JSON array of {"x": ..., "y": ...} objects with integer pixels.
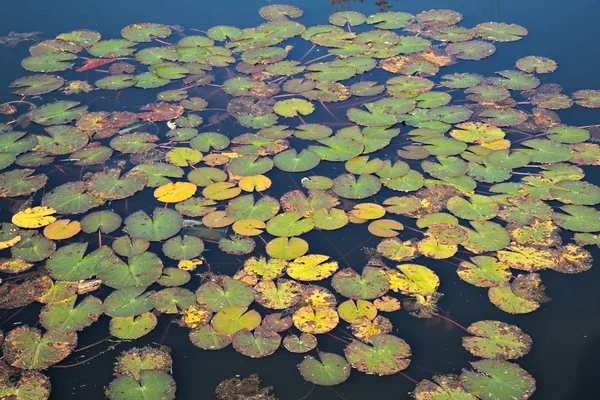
[
  {"x": 365, "y": 329},
  {"x": 367, "y": 211},
  {"x": 195, "y": 317},
  {"x": 385, "y": 228},
  {"x": 249, "y": 227},
  {"x": 62, "y": 229},
  {"x": 221, "y": 191},
  {"x": 217, "y": 219},
  {"x": 312, "y": 267},
  {"x": 34, "y": 217},
  {"x": 254, "y": 183},
  {"x": 183, "y": 156},
  {"x": 414, "y": 280},
  {"x": 189, "y": 265},
  {"x": 9, "y": 243},
  {"x": 175, "y": 192},
  {"x": 316, "y": 320},
  {"x": 357, "y": 312},
  {"x": 387, "y": 304}
]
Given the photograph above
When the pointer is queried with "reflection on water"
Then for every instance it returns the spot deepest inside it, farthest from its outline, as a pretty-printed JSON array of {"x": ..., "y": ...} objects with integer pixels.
[{"x": 381, "y": 5}]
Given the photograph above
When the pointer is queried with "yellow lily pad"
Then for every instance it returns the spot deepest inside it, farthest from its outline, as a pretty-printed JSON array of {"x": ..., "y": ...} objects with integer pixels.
[
  {"x": 62, "y": 229},
  {"x": 175, "y": 192},
  {"x": 34, "y": 217}
]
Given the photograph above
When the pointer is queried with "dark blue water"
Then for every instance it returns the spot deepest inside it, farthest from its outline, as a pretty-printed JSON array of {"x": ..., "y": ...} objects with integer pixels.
[{"x": 565, "y": 331}]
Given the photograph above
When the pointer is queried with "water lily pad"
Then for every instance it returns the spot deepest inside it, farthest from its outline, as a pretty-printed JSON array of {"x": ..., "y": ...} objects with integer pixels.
[
  {"x": 163, "y": 224},
  {"x": 312, "y": 267},
  {"x": 152, "y": 384},
  {"x": 140, "y": 270},
  {"x": 383, "y": 355},
  {"x": 471, "y": 50},
  {"x": 25, "y": 347},
  {"x": 65, "y": 316},
  {"x": 110, "y": 185},
  {"x": 500, "y": 31},
  {"x": 260, "y": 344},
  {"x": 145, "y": 32},
  {"x": 371, "y": 284},
  {"x": 59, "y": 112},
  {"x": 103, "y": 221},
  {"x": 129, "y": 302},
  {"x": 112, "y": 48},
  {"x": 232, "y": 319},
  {"x": 219, "y": 295},
  {"x": 497, "y": 340},
  {"x": 49, "y": 62},
  {"x": 36, "y": 85},
  {"x": 498, "y": 379},
  {"x": 484, "y": 271},
  {"x": 183, "y": 248},
  {"x": 71, "y": 198},
  {"x": 330, "y": 370}
]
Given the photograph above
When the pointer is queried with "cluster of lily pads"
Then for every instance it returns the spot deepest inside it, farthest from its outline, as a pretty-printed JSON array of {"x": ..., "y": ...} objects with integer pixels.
[{"x": 458, "y": 162}]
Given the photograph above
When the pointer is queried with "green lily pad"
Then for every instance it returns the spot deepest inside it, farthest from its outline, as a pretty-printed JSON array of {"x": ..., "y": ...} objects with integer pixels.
[
  {"x": 145, "y": 32},
  {"x": 59, "y": 112},
  {"x": 26, "y": 348},
  {"x": 65, "y": 316},
  {"x": 208, "y": 339},
  {"x": 132, "y": 327},
  {"x": 498, "y": 379},
  {"x": 478, "y": 208},
  {"x": 486, "y": 236},
  {"x": 382, "y": 355},
  {"x": 49, "y": 62},
  {"x": 232, "y": 319},
  {"x": 163, "y": 224},
  {"x": 539, "y": 65},
  {"x": 578, "y": 218},
  {"x": 103, "y": 221},
  {"x": 172, "y": 300},
  {"x": 371, "y": 284},
  {"x": 62, "y": 140},
  {"x": 128, "y": 247},
  {"x": 36, "y": 85},
  {"x": 500, "y": 31},
  {"x": 260, "y": 344},
  {"x": 183, "y": 248},
  {"x": 349, "y": 187},
  {"x": 237, "y": 245},
  {"x": 33, "y": 247},
  {"x": 484, "y": 271},
  {"x": 244, "y": 207},
  {"x": 290, "y": 224},
  {"x": 128, "y": 302},
  {"x": 497, "y": 340},
  {"x": 230, "y": 292},
  {"x": 140, "y": 270},
  {"x": 71, "y": 198},
  {"x": 471, "y": 50},
  {"x": 152, "y": 385},
  {"x": 291, "y": 161},
  {"x": 112, "y": 48},
  {"x": 70, "y": 263},
  {"x": 110, "y": 185},
  {"x": 330, "y": 370}
]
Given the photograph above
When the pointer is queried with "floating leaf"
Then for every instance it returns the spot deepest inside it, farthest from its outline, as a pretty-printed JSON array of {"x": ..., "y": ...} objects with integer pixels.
[
  {"x": 497, "y": 340},
  {"x": 25, "y": 347},
  {"x": 498, "y": 379},
  {"x": 383, "y": 355},
  {"x": 331, "y": 370}
]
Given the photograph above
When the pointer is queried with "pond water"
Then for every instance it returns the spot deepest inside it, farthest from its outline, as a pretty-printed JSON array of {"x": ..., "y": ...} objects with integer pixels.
[{"x": 565, "y": 331}]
